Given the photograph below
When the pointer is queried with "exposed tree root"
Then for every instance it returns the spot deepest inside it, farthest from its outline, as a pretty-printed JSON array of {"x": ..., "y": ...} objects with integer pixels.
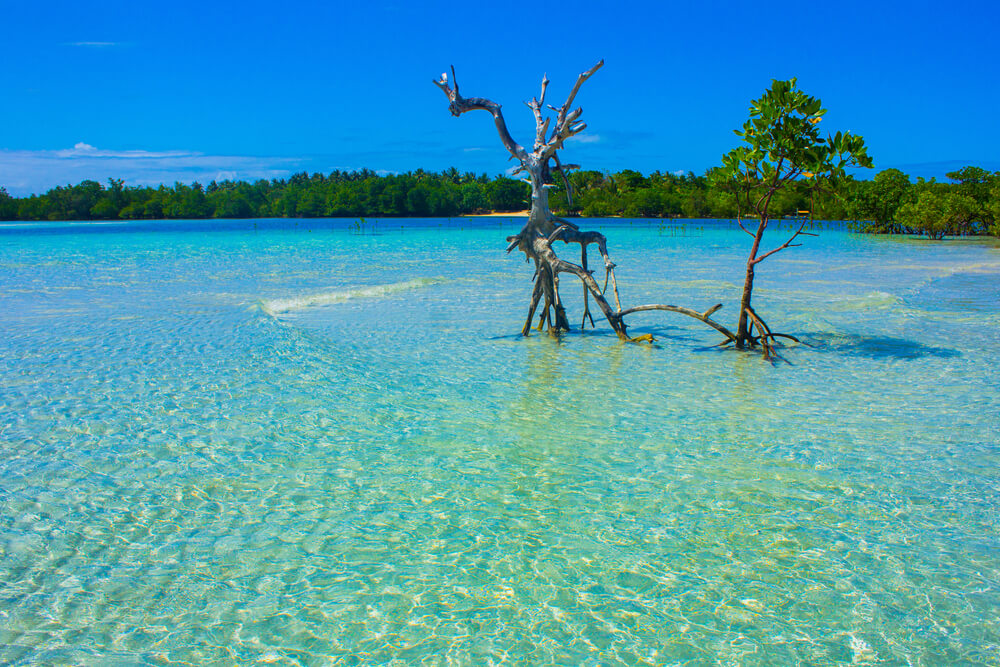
[{"x": 765, "y": 337}]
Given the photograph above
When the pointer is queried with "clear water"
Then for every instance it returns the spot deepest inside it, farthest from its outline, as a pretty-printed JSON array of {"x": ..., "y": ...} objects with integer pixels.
[{"x": 296, "y": 444}]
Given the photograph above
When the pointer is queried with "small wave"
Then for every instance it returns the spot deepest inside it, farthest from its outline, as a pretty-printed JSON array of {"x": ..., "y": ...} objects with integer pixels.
[
  {"x": 872, "y": 301},
  {"x": 278, "y": 306}
]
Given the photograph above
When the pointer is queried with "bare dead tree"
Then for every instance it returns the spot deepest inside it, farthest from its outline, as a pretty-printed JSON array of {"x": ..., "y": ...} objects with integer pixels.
[{"x": 542, "y": 228}]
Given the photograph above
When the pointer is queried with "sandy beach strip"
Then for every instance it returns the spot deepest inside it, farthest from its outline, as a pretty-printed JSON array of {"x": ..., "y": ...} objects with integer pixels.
[{"x": 500, "y": 214}]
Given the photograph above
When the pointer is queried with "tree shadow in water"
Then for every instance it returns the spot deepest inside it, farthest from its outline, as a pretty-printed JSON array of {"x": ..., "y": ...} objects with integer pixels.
[
  {"x": 877, "y": 347},
  {"x": 869, "y": 347}
]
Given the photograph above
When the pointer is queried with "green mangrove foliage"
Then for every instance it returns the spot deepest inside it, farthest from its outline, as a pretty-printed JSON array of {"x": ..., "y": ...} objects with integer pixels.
[
  {"x": 874, "y": 204},
  {"x": 892, "y": 204},
  {"x": 937, "y": 213},
  {"x": 782, "y": 149}
]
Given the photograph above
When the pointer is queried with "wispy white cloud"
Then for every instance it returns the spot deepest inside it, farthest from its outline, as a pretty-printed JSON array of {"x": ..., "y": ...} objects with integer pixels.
[
  {"x": 94, "y": 45},
  {"x": 83, "y": 150},
  {"x": 27, "y": 172},
  {"x": 585, "y": 138}
]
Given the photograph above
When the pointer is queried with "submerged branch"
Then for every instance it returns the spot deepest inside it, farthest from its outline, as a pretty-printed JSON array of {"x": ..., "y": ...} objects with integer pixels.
[{"x": 704, "y": 317}]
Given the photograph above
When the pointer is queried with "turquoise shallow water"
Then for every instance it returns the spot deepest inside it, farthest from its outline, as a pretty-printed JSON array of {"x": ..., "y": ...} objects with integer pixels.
[{"x": 289, "y": 443}]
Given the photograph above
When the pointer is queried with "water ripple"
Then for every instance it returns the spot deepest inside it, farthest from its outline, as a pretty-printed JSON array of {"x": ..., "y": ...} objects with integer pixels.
[{"x": 380, "y": 475}]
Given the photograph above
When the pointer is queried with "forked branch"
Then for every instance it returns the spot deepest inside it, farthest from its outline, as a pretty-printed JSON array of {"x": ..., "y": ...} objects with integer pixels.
[
  {"x": 786, "y": 244},
  {"x": 459, "y": 105}
]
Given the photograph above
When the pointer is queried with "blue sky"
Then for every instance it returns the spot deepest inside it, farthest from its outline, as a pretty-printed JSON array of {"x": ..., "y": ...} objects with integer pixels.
[{"x": 157, "y": 92}]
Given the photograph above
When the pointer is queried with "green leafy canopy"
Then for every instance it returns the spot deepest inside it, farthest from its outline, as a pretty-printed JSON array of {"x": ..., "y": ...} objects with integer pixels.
[{"x": 783, "y": 146}]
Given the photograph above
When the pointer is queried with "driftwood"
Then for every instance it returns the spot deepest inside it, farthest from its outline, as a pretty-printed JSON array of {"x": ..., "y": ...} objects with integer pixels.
[{"x": 542, "y": 228}]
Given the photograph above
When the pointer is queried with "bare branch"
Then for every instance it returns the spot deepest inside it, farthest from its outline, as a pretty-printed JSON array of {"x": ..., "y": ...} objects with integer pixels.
[
  {"x": 541, "y": 125},
  {"x": 586, "y": 293},
  {"x": 565, "y": 119},
  {"x": 540, "y": 132},
  {"x": 562, "y": 169},
  {"x": 556, "y": 234},
  {"x": 459, "y": 105},
  {"x": 784, "y": 245},
  {"x": 586, "y": 238},
  {"x": 566, "y": 223},
  {"x": 576, "y": 87},
  {"x": 536, "y": 294},
  {"x": 711, "y": 310},
  {"x": 765, "y": 332}
]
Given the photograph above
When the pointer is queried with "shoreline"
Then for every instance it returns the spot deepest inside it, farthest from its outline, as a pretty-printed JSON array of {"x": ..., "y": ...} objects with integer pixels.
[{"x": 500, "y": 214}]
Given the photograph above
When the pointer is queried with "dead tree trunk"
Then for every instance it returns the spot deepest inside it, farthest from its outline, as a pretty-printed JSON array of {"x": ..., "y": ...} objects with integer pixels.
[{"x": 542, "y": 228}]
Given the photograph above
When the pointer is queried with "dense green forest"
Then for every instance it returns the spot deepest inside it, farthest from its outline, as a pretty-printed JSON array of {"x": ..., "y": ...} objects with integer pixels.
[{"x": 889, "y": 203}]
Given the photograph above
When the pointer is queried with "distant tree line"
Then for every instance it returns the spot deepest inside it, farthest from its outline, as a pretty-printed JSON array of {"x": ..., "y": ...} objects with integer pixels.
[
  {"x": 339, "y": 194},
  {"x": 889, "y": 203}
]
